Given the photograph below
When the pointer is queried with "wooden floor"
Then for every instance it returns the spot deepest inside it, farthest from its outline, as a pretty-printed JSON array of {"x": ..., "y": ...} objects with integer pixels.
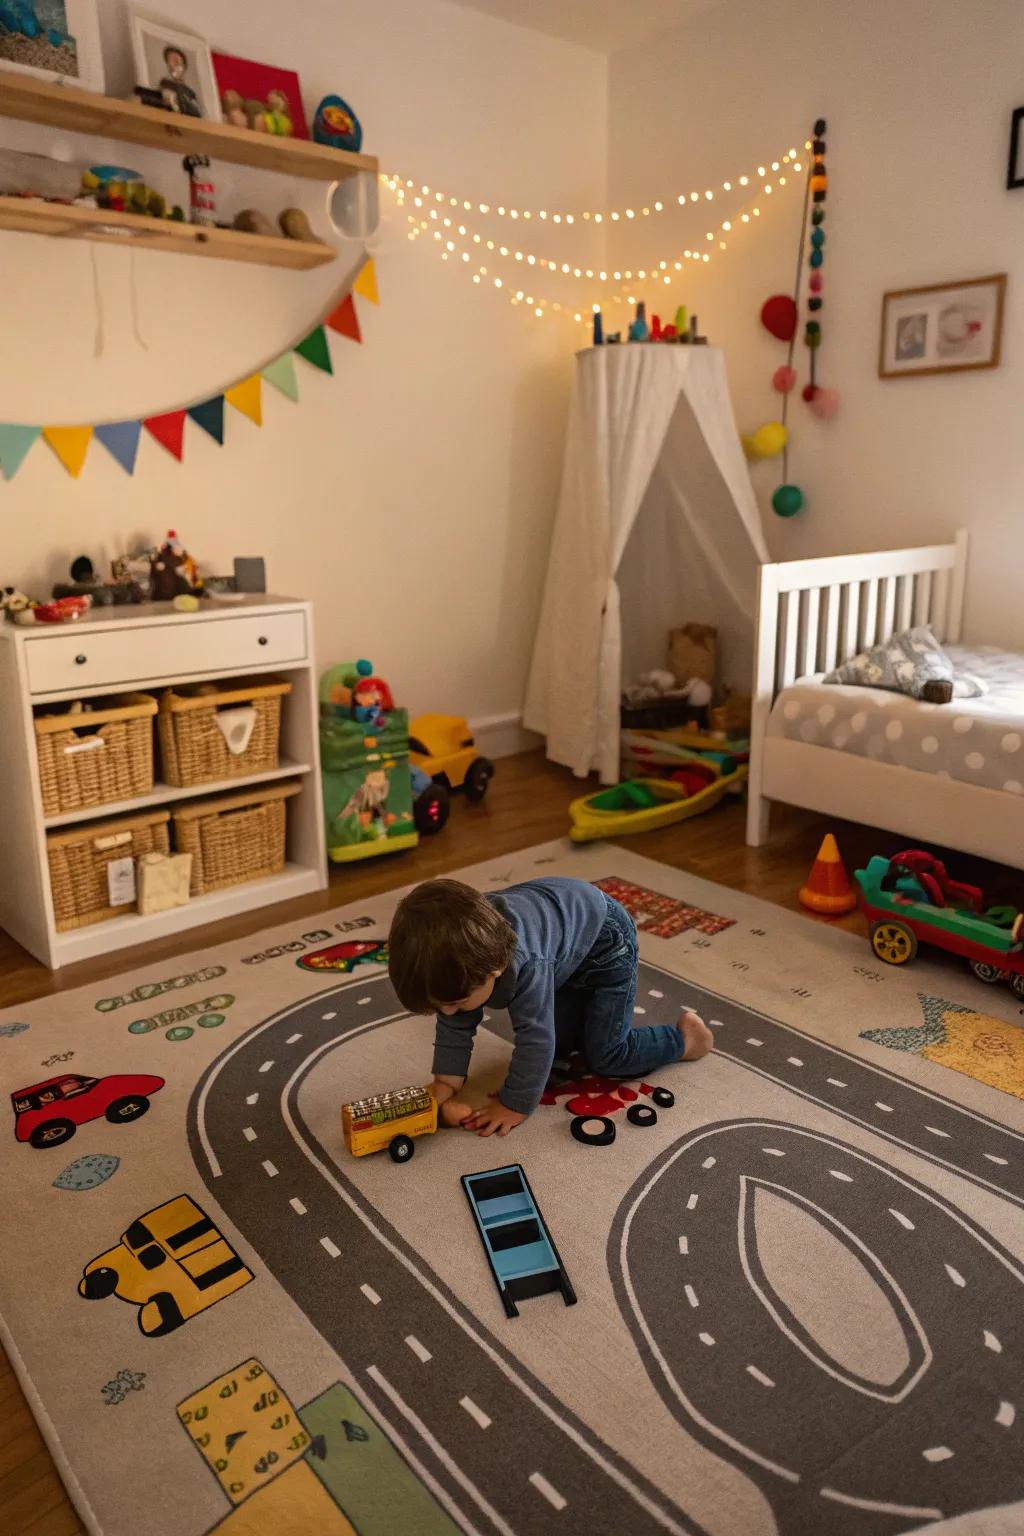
[{"x": 526, "y": 804}]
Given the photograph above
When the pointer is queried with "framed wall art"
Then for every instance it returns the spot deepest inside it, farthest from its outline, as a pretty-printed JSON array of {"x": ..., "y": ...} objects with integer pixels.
[{"x": 946, "y": 328}]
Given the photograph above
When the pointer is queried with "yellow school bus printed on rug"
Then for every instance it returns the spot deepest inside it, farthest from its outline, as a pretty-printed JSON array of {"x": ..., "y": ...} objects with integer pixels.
[
  {"x": 171, "y": 1263},
  {"x": 244, "y": 1427}
]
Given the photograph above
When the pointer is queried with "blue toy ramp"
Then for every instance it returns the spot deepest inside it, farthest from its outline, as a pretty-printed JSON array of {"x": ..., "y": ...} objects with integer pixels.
[{"x": 524, "y": 1261}]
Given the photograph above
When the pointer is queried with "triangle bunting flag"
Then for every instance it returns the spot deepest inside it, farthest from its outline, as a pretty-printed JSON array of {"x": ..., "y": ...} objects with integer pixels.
[
  {"x": 366, "y": 282},
  {"x": 209, "y": 414},
  {"x": 247, "y": 397},
  {"x": 70, "y": 444},
  {"x": 15, "y": 442},
  {"x": 121, "y": 440},
  {"x": 315, "y": 350},
  {"x": 281, "y": 373},
  {"x": 169, "y": 431},
  {"x": 344, "y": 319}
]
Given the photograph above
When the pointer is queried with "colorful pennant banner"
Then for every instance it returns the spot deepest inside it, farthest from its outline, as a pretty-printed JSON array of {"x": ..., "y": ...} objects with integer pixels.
[{"x": 121, "y": 438}]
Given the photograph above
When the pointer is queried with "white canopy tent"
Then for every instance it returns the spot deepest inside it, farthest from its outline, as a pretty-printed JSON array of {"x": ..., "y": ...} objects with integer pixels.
[{"x": 657, "y": 526}]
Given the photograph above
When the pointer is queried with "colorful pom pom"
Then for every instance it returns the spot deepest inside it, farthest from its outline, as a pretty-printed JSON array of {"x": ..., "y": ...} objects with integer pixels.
[
  {"x": 784, "y": 379},
  {"x": 825, "y": 403},
  {"x": 819, "y": 127},
  {"x": 817, "y": 237},
  {"x": 814, "y": 304},
  {"x": 779, "y": 316},
  {"x": 788, "y": 500},
  {"x": 767, "y": 441},
  {"x": 816, "y": 283},
  {"x": 817, "y": 215},
  {"x": 816, "y": 258}
]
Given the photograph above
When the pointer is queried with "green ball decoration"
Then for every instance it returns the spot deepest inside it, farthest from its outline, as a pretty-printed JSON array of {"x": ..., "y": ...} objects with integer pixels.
[
  {"x": 817, "y": 215},
  {"x": 813, "y": 328},
  {"x": 816, "y": 258},
  {"x": 813, "y": 339},
  {"x": 817, "y": 237},
  {"x": 788, "y": 500}
]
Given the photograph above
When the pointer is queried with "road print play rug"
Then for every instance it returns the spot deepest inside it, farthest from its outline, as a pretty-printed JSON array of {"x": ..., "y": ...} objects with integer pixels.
[{"x": 800, "y": 1304}]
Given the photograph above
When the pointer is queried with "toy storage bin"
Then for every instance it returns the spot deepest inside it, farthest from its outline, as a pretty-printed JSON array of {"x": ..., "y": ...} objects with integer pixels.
[
  {"x": 196, "y": 750},
  {"x": 103, "y": 754},
  {"x": 234, "y": 838},
  {"x": 79, "y": 858}
]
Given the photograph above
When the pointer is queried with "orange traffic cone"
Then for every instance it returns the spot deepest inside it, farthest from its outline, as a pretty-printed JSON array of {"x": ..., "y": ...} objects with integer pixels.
[{"x": 828, "y": 889}]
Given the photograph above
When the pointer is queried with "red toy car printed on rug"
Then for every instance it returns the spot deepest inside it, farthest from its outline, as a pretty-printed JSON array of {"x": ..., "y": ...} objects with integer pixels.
[
  {"x": 51, "y": 1112},
  {"x": 345, "y": 957}
]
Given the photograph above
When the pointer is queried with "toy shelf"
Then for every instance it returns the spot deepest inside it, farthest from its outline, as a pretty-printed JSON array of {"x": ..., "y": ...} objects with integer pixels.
[
  {"x": 71, "y": 222},
  {"x": 58, "y": 106},
  {"x": 164, "y": 794}
]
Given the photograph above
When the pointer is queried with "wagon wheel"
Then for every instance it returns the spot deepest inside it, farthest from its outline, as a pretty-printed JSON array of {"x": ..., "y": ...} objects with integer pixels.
[
  {"x": 985, "y": 972},
  {"x": 1017, "y": 983},
  {"x": 893, "y": 942}
]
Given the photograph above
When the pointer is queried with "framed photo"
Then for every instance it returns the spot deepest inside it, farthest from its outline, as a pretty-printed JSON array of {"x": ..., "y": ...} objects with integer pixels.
[
  {"x": 260, "y": 97},
  {"x": 177, "y": 64},
  {"x": 1015, "y": 169},
  {"x": 944, "y": 329},
  {"x": 55, "y": 40}
]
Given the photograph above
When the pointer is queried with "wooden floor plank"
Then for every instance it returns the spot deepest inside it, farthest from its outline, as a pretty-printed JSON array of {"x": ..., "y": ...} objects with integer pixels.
[{"x": 526, "y": 804}]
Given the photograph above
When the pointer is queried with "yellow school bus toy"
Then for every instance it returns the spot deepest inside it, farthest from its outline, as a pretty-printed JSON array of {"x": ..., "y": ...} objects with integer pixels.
[
  {"x": 389, "y": 1120},
  {"x": 171, "y": 1263}
]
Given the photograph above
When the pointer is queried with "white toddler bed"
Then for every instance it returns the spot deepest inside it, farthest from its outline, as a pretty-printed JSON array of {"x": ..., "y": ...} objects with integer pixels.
[{"x": 951, "y": 774}]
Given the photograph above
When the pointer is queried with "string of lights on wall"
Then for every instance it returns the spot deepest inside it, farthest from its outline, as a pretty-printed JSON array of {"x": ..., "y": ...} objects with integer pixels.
[{"x": 456, "y": 242}]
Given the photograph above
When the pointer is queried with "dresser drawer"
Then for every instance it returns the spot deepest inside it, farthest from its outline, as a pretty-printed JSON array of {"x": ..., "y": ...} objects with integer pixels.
[{"x": 85, "y": 657}]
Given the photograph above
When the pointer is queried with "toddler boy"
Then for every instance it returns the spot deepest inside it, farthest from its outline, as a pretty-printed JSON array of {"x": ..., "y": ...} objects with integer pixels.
[{"x": 560, "y": 956}]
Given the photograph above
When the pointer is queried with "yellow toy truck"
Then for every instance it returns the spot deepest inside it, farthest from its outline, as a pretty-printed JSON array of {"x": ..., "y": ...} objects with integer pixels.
[
  {"x": 442, "y": 747},
  {"x": 389, "y": 1120},
  {"x": 172, "y": 1263}
]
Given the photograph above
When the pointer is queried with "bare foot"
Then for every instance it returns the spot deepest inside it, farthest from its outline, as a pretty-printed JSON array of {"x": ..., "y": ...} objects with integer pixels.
[{"x": 699, "y": 1039}]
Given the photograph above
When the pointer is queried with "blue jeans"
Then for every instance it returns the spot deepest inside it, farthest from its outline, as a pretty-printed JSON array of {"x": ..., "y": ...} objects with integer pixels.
[{"x": 594, "y": 1008}]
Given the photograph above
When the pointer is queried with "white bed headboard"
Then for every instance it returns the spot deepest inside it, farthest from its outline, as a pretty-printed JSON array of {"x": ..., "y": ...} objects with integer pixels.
[{"x": 813, "y": 614}]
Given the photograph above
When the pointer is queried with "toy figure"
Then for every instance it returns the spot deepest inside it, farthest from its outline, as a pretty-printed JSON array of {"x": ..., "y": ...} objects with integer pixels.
[
  {"x": 278, "y": 114},
  {"x": 174, "y": 572},
  {"x": 371, "y": 702},
  {"x": 234, "y": 109}
]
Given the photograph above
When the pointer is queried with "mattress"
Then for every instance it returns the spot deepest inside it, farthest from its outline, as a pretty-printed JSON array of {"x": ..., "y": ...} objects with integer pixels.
[{"x": 976, "y": 741}]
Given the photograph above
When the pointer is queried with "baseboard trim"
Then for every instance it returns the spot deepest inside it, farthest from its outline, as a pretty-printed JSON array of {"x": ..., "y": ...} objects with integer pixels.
[{"x": 503, "y": 735}]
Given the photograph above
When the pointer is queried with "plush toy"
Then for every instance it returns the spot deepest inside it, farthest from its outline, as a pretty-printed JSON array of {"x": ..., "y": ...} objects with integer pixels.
[
  {"x": 335, "y": 123},
  {"x": 371, "y": 702},
  {"x": 173, "y": 570},
  {"x": 13, "y": 602}
]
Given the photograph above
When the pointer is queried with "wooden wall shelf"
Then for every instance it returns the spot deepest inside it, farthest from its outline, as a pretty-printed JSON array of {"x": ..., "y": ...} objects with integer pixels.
[
  {"x": 58, "y": 106},
  {"x": 72, "y": 222}
]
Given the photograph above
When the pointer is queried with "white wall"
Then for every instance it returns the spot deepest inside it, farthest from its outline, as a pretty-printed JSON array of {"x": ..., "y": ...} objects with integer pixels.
[
  {"x": 410, "y": 495},
  {"x": 918, "y": 96}
]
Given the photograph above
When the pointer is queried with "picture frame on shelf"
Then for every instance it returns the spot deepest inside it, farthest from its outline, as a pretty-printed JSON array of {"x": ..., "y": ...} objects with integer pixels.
[
  {"x": 177, "y": 64},
  {"x": 1015, "y": 166},
  {"x": 260, "y": 97},
  {"x": 943, "y": 328},
  {"x": 65, "y": 49}
]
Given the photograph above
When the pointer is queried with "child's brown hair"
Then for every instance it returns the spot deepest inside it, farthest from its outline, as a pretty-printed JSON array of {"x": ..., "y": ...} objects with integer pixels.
[{"x": 446, "y": 940}]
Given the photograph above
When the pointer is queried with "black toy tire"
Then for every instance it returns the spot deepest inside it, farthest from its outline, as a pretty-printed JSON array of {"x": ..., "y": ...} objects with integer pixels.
[
  {"x": 401, "y": 1149},
  {"x": 602, "y": 1138},
  {"x": 131, "y": 1107},
  {"x": 642, "y": 1114},
  {"x": 663, "y": 1097},
  {"x": 52, "y": 1133},
  {"x": 432, "y": 809},
  {"x": 478, "y": 775},
  {"x": 98, "y": 1283}
]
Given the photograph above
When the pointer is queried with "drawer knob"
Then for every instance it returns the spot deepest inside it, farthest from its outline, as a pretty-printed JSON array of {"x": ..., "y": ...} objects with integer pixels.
[
  {"x": 80, "y": 660},
  {"x": 263, "y": 641}
]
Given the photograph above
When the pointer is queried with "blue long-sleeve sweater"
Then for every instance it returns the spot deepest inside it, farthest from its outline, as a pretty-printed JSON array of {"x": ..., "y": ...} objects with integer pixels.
[{"x": 556, "y": 923}]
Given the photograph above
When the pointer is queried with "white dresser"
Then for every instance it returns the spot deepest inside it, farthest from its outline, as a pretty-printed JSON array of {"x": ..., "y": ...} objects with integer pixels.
[{"x": 139, "y": 648}]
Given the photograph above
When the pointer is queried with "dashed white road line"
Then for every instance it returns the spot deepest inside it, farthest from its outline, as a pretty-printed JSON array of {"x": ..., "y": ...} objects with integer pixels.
[
  {"x": 936, "y": 1132},
  {"x": 370, "y": 1294},
  {"x": 753, "y": 1040},
  {"x": 937, "y": 1453},
  {"x": 653, "y": 992},
  {"x": 419, "y": 1350},
  {"x": 844, "y": 1178},
  {"x": 252, "y": 1098},
  {"x": 904, "y": 1221},
  {"x": 684, "y": 1245},
  {"x": 794, "y": 1061},
  {"x": 1006, "y": 1415},
  {"x": 327, "y": 1017},
  {"x": 992, "y": 1343},
  {"x": 266, "y": 1066},
  {"x": 706, "y": 1338},
  {"x": 475, "y": 1413},
  {"x": 835, "y": 1082},
  {"x": 297, "y": 1206},
  {"x": 886, "y": 1109},
  {"x": 292, "y": 1039},
  {"x": 691, "y": 1204},
  {"x": 329, "y": 1247},
  {"x": 773, "y": 1152},
  {"x": 709, "y": 1162},
  {"x": 362, "y": 1002},
  {"x": 955, "y": 1275},
  {"x": 1002, "y": 1162},
  {"x": 691, "y": 1295},
  {"x": 269, "y": 1169},
  {"x": 760, "y": 1376},
  {"x": 248, "y": 1133},
  {"x": 550, "y": 1493},
  {"x": 639, "y": 1010}
]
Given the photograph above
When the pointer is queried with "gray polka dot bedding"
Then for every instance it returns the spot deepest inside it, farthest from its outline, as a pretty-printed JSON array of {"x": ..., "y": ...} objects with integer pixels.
[{"x": 978, "y": 741}]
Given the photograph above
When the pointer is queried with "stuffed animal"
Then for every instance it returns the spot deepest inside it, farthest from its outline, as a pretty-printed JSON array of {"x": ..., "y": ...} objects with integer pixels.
[{"x": 13, "y": 602}]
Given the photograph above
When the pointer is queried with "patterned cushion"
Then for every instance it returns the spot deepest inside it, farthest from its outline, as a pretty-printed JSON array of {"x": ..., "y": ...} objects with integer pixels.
[{"x": 904, "y": 664}]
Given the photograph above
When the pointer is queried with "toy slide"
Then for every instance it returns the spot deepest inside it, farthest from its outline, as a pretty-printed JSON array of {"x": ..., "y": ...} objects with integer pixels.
[{"x": 639, "y": 805}]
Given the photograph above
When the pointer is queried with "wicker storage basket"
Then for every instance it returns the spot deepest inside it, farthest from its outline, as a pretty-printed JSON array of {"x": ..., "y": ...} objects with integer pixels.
[
  {"x": 79, "y": 858},
  {"x": 194, "y": 749},
  {"x": 234, "y": 838},
  {"x": 106, "y": 754}
]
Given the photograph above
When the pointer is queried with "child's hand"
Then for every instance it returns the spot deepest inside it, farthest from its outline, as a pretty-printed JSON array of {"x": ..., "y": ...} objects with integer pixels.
[
  {"x": 494, "y": 1118},
  {"x": 453, "y": 1112}
]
